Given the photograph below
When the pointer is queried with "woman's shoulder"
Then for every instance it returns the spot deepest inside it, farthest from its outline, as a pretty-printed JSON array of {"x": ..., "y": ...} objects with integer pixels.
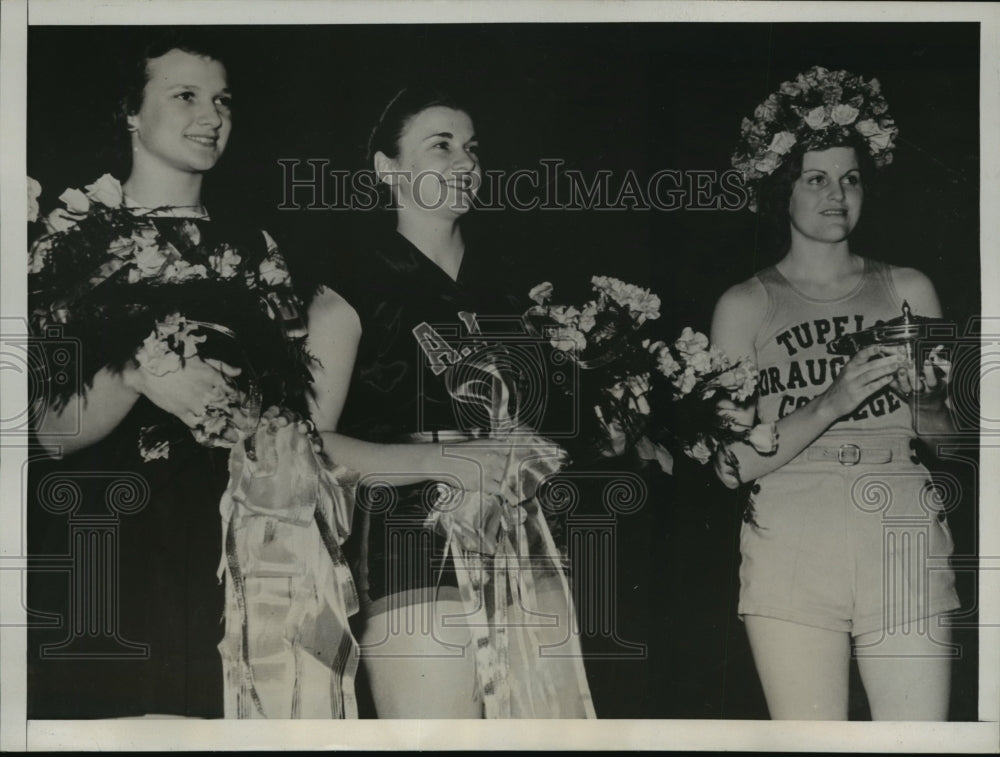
[
  {"x": 916, "y": 288},
  {"x": 739, "y": 315},
  {"x": 747, "y": 296},
  {"x": 328, "y": 303}
]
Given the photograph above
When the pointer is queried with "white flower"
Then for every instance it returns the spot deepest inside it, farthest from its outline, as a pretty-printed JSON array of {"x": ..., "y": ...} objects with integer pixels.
[
  {"x": 158, "y": 451},
  {"x": 156, "y": 356},
  {"x": 149, "y": 261},
  {"x": 691, "y": 342},
  {"x": 39, "y": 254},
  {"x": 181, "y": 270},
  {"x": 843, "y": 114},
  {"x": 701, "y": 362},
  {"x": 146, "y": 237},
  {"x": 214, "y": 424},
  {"x": 686, "y": 381},
  {"x": 699, "y": 451},
  {"x": 107, "y": 191},
  {"x": 666, "y": 364},
  {"x": 60, "y": 220},
  {"x": 764, "y": 438},
  {"x": 34, "y": 190},
  {"x": 720, "y": 360},
  {"x": 567, "y": 315},
  {"x": 172, "y": 324},
  {"x": 588, "y": 317},
  {"x": 878, "y": 137},
  {"x": 541, "y": 293},
  {"x": 75, "y": 201},
  {"x": 225, "y": 263},
  {"x": 568, "y": 339},
  {"x": 817, "y": 118},
  {"x": 783, "y": 142},
  {"x": 768, "y": 163},
  {"x": 644, "y": 307},
  {"x": 190, "y": 232},
  {"x": 640, "y": 404},
  {"x": 273, "y": 272}
]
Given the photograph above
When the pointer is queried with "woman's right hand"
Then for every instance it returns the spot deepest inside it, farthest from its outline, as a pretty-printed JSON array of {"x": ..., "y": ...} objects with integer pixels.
[
  {"x": 186, "y": 392},
  {"x": 863, "y": 375}
]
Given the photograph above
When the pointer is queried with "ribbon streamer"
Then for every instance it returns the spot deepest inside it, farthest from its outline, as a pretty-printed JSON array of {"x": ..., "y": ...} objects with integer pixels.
[
  {"x": 517, "y": 600},
  {"x": 288, "y": 651}
]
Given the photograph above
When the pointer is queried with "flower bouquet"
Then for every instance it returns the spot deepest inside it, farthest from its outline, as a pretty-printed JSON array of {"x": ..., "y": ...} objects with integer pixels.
[
  {"x": 702, "y": 383},
  {"x": 646, "y": 395},
  {"x": 159, "y": 287},
  {"x": 604, "y": 337}
]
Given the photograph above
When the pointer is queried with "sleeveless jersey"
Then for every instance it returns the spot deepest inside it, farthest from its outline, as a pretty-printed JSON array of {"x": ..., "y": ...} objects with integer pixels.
[{"x": 791, "y": 345}]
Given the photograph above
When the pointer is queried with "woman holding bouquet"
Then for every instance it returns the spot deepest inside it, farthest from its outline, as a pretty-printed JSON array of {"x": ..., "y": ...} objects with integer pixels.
[
  {"x": 158, "y": 297},
  {"x": 827, "y": 557},
  {"x": 408, "y": 378}
]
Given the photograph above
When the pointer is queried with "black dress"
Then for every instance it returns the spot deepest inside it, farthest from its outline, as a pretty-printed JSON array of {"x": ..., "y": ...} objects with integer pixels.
[{"x": 125, "y": 606}]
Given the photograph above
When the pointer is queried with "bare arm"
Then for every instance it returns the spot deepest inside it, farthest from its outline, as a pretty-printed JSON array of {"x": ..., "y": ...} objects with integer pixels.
[
  {"x": 89, "y": 417},
  {"x": 738, "y": 315}
]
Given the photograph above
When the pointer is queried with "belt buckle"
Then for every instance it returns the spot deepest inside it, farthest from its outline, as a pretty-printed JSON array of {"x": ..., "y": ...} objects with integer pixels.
[{"x": 849, "y": 454}]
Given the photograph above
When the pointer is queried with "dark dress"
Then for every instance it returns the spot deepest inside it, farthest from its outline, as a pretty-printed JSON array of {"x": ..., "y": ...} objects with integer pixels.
[
  {"x": 124, "y": 599},
  {"x": 395, "y": 395}
]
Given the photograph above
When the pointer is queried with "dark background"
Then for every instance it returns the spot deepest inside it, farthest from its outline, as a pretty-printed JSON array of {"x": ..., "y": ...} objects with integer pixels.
[{"x": 638, "y": 97}]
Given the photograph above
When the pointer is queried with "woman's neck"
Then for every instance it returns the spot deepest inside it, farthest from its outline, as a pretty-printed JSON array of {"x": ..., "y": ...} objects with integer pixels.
[
  {"x": 155, "y": 187},
  {"x": 819, "y": 262},
  {"x": 440, "y": 240}
]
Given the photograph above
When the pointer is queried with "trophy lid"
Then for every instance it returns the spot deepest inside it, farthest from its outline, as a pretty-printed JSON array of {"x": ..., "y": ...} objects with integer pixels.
[{"x": 903, "y": 329}]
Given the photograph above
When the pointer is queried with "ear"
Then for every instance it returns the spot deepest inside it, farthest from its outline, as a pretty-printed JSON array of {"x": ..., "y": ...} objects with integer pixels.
[
  {"x": 132, "y": 122},
  {"x": 384, "y": 168}
]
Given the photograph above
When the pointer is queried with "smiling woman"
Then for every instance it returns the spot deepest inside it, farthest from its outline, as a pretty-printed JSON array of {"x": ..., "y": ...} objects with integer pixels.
[
  {"x": 449, "y": 629},
  {"x": 181, "y": 126},
  {"x": 824, "y": 561},
  {"x": 184, "y": 325}
]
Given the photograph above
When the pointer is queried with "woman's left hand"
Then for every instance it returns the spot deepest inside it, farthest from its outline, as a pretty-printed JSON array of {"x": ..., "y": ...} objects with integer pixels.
[{"x": 927, "y": 387}]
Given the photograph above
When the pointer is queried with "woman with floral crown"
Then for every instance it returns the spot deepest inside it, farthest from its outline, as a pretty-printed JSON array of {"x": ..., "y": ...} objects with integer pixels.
[
  {"x": 459, "y": 580},
  {"x": 186, "y": 327},
  {"x": 845, "y": 544}
]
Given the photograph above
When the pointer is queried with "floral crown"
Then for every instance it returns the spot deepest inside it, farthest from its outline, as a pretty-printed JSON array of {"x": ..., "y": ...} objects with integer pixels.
[{"x": 819, "y": 109}]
